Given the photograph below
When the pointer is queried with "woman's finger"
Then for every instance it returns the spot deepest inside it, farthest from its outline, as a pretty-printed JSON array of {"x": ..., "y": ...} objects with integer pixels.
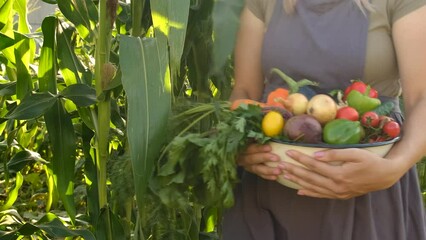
[
  {"x": 258, "y": 158},
  {"x": 263, "y": 170},
  {"x": 310, "y": 180},
  {"x": 323, "y": 168},
  {"x": 257, "y": 148}
]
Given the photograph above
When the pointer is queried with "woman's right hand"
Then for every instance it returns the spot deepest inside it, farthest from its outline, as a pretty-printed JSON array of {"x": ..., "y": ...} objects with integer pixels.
[{"x": 254, "y": 158}]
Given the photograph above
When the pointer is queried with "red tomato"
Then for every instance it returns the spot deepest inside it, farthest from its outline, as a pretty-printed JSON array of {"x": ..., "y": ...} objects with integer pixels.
[
  {"x": 370, "y": 119},
  {"x": 348, "y": 113},
  {"x": 373, "y": 93},
  {"x": 392, "y": 129},
  {"x": 360, "y": 87}
]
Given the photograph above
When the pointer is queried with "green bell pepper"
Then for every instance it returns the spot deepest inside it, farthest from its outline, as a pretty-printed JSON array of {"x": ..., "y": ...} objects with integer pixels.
[
  {"x": 342, "y": 131},
  {"x": 362, "y": 102}
]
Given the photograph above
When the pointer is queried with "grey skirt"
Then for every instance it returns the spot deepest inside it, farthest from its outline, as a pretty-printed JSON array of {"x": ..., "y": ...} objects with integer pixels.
[{"x": 266, "y": 210}]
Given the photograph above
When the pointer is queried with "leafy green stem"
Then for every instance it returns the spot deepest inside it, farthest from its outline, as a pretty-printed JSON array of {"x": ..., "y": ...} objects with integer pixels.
[{"x": 185, "y": 130}]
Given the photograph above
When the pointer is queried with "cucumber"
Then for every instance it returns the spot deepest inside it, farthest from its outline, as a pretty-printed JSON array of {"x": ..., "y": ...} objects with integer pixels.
[{"x": 385, "y": 108}]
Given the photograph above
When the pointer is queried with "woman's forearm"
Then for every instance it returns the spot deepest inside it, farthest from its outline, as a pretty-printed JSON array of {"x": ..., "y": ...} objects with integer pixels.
[{"x": 412, "y": 146}]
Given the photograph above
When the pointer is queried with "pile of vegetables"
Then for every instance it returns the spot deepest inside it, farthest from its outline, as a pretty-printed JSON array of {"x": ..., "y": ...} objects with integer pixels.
[
  {"x": 356, "y": 117},
  {"x": 198, "y": 167}
]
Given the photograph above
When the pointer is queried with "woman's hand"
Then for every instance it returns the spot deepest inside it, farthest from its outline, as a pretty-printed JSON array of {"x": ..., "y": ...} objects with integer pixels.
[
  {"x": 254, "y": 160},
  {"x": 361, "y": 172}
]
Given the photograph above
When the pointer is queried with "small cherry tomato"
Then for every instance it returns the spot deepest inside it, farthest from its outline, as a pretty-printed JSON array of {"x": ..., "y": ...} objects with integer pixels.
[
  {"x": 391, "y": 129},
  {"x": 370, "y": 119},
  {"x": 373, "y": 93},
  {"x": 347, "y": 112}
]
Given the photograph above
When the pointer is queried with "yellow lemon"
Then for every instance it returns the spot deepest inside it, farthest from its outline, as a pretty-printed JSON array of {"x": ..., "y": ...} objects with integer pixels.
[{"x": 272, "y": 124}]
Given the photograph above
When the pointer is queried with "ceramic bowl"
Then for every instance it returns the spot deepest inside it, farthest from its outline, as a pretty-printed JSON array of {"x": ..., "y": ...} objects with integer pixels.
[{"x": 280, "y": 148}]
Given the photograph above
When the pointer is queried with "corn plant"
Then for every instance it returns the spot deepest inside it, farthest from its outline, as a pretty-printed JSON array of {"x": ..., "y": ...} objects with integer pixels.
[{"x": 85, "y": 104}]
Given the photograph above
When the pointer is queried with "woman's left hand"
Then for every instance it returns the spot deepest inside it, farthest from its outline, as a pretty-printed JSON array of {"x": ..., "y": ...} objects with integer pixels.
[{"x": 361, "y": 172}]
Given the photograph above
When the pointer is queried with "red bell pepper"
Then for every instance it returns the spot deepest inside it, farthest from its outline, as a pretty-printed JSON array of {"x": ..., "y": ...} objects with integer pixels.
[{"x": 362, "y": 88}]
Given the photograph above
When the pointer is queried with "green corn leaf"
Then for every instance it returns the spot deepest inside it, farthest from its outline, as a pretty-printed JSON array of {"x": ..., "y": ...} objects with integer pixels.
[
  {"x": 81, "y": 94},
  {"x": 5, "y": 41},
  {"x": 57, "y": 229},
  {"x": 13, "y": 194},
  {"x": 5, "y": 12},
  {"x": 170, "y": 20},
  {"x": 91, "y": 174},
  {"x": 52, "y": 195},
  {"x": 87, "y": 116},
  {"x": 47, "y": 70},
  {"x": 54, "y": 228},
  {"x": 83, "y": 14},
  {"x": 22, "y": 158},
  {"x": 226, "y": 15},
  {"x": 58, "y": 123},
  {"x": 63, "y": 141},
  {"x": 159, "y": 11},
  {"x": 10, "y": 217},
  {"x": 28, "y": 229},
  {"x": 22, "y": 54},
  {"x": 8, "y": 89},
  {"x": 148, "y": 107},
  {"x": 20, "y": 6},
  {"x": 70, "y": 66},
  {"x": 178, "y": 21},
  {"x": 50, "y": 1},
  {"x": 116, "y": 227},
  {"x": 33, "y": 106}
]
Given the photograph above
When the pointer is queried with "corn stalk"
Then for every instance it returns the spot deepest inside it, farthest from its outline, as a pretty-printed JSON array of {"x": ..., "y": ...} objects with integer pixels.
[{"x": 104, "y": 73}]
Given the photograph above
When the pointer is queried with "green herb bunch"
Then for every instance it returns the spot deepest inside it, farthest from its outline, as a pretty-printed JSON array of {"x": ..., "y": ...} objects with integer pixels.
[{"x": 199, "y": 167}]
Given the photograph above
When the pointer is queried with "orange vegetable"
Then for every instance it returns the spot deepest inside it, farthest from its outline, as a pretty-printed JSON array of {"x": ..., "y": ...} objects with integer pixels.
[
  {"x": 236, "y": 103},
  {"x": 277, "y": 97}
]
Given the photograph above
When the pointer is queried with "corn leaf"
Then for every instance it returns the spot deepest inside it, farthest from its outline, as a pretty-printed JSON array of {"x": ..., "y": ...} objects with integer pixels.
[
  {"x": 54, "y": 228},
  {"x": 58, "y": 121},
  {"x": 70, "y": 66},
  {"x": 81, "y": 94},
  {"x": 22, "y": 55},
  {"x": 5, "y": 41},
  {"x": 226, "y": 15},
  {"x": 20, "y": 7},
  {"x": 83, "y": 14},
  {"x": 8, "y": 89},
  {"x": 5, "y": 11},
  {"x": 57, "y": 229},
  {"x": 63, "y": 140},
  {"x": 170, "y": 19},
  {"x": 13, "y": 194},
  {"x": 21, "y": 159},
  {"x": 48, "y": 67},
  {"x": 32, "y": 106},
  {"x": 148, "y": 107}
]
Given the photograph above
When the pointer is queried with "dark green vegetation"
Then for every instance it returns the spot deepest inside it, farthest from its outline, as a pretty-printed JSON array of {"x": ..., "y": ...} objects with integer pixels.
[{"x": 88, "y": 106}]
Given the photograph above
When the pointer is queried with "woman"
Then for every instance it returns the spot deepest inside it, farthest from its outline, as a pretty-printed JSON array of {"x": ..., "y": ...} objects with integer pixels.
[{"x": 382, "y": 42}]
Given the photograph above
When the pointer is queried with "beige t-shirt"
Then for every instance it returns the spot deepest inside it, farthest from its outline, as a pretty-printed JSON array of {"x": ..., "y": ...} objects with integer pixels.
[{"x": 381, "y": 70}]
